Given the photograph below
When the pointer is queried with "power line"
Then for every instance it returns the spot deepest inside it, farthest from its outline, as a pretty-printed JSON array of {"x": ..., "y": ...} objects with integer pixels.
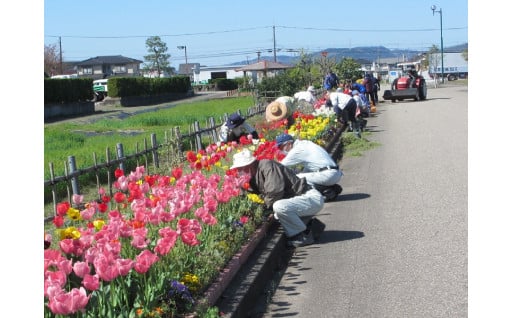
[{"x": 252, "y": 29}]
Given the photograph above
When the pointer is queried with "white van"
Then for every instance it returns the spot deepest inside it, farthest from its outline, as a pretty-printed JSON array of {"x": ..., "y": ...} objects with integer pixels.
[{"x": 100, "y": 89}]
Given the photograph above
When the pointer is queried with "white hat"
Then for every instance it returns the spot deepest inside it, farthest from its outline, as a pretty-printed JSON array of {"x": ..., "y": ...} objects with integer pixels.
[
  {"x": 242, "y": 159},
  {"x": 311, "y": 89}
]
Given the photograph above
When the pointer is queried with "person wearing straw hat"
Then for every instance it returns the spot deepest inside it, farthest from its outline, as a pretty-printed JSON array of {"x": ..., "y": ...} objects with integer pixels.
[
  {"x": 280, "y": 109},
  {"x": 236, "y": 127},
  {"x": 291, "y": 198}
]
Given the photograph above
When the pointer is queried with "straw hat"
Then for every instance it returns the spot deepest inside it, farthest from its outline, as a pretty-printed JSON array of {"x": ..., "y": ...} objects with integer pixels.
[
  {"x": 276, "y": 111},
  {"x": 242, "y": 159}
]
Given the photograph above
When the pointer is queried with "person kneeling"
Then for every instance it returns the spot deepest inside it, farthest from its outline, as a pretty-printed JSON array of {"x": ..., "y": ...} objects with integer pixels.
[{"x": 291, "y": 198}]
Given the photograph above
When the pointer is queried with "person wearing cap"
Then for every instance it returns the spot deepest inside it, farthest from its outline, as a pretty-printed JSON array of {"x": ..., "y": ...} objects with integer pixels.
[
  {"x": 236, "y": 127},
  {"x": 317, "y": 165},
  {"x": 362, "y": 103},
  {"x": 307, "y": 95},
  {"x": 363, "y": 110},
  {"x": 291, "y": 198}
]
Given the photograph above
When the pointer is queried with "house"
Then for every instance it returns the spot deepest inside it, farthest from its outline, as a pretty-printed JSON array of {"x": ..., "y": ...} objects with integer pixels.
[
  {"x": 203, "y": 74},
  {"x": 111, "y": 65},
  {"x": 263, "y": 69}
]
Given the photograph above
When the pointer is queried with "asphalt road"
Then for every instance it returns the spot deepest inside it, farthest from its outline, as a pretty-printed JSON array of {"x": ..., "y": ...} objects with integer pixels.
[
  {"x": 102, "y": 110},
  {"x": 396, "y": 241}
]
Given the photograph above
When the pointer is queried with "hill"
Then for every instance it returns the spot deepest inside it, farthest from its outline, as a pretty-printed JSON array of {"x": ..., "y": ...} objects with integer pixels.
[{"x": 363, "y": 54}]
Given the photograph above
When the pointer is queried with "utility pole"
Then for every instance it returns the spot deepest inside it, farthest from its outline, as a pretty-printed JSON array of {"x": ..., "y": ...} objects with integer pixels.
[
  {"x": 440, "y": 11},
  {"x": 60, "y": 53},
  {"x": 274, "y": 28}
]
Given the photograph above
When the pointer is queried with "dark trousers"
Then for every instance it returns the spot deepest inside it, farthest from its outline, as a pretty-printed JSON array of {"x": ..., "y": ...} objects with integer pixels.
[
  {"x": 372, "y": 96},
  {"x": 348, "y": 114}
]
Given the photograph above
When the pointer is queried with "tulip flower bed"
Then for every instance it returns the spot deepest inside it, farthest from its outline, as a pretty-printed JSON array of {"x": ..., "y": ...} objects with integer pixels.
[{"x": 155, "y": 246}]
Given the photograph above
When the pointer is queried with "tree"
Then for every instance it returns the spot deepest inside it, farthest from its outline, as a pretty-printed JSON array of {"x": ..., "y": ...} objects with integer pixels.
[
  {"x": 434, "y": 61},
  {"x": 51, "y": 60},
  {"x": 348, "y": 69},
  {"x": 465, "y": 54},
  {"x": 303, "y": 72},
  {"x": 157, "y": 59}
]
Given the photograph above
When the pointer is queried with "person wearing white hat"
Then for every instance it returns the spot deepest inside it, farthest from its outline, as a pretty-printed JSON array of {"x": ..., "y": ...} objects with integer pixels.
[
  {"x": 345, "y": 107},
  {"x": 291, "y": 198},
  {"x": 307, "y": 95}
]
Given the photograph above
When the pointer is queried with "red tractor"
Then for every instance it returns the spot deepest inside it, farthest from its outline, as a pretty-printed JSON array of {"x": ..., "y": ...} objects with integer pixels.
[{"x": 410, "y": 86}]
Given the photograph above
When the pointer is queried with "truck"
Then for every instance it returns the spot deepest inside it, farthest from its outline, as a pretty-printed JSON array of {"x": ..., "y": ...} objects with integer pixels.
[
  {"x": 100, "y": 90},
  {"x": 454, "y": 65}
]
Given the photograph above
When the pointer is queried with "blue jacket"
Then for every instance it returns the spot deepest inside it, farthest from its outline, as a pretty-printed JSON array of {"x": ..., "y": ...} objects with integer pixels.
[{"x": 359, "y": 87}]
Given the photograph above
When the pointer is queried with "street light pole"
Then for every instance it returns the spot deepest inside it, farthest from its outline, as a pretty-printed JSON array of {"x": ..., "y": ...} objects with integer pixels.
[
  {"x": 440, "y": 11},
  {"x": 181, "y": 47}
]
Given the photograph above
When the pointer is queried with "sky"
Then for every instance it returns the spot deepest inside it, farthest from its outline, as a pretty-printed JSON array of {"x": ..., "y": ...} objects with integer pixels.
[
  {"x": 218, "y": 32},
  {"x": 221, "y": 32}
]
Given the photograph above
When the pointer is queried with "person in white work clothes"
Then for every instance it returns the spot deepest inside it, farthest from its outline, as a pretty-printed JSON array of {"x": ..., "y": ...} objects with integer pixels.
[
  {"x": 316, "y": 164},
  {"x": 307, "y": 95}
]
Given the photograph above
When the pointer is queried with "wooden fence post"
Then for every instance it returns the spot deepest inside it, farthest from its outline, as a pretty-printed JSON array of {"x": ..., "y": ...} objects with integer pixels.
[
  {"x": 109, "y": 172},
  {"x": 197, "y": 133},
  {"x": 120, "y": 155},
  {"x": 96, "y": 171},
  {"x": 74, "y": 179},
  {"x": 154, "y": 146},
  {"x": 54, "y": 190}
]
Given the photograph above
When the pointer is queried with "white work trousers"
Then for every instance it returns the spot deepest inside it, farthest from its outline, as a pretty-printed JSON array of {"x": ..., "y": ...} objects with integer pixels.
[
  {"x": 290, "y": 211},
  {"x": 326, "y": 177}
]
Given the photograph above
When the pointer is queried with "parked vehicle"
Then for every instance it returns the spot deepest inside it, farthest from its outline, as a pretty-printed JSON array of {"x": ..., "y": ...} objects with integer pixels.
[
  {"x": 100, "y": 89},
  {"x": 454, "y": 66},
  {"x": 411, "y": 85}
]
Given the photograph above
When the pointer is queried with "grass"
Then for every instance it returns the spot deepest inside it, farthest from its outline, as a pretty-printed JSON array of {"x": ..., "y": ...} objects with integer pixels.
[
  {"x": 82, "y": 140},
  {"x": 354, "y": 147}
]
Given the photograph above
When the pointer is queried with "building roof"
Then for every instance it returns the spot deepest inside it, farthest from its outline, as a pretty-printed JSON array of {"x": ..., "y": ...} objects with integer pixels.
[
  {"x": 108, "y": 59},
  {"x": 263, "y": 66}
]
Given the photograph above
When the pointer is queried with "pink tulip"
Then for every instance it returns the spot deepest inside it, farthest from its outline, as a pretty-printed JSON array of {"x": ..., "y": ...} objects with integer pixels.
[
  {"x": 91, "y": 282},
  {"x": 139, "y": 239},
  {"x": 58, "y": 278},
  {"x": 144, "y": 260},
  {"x": 88, "y": 213},
  {"x": 69, "y": 303},
  {"x": 81, "y": 268},
  {"x": 78, "y": 199},
  {"x": 190, "y": 238},
  {"x": 209, "y": 219},
  {"x": 105, "y": 266},
  {"x": 164, "y": 245},
  {"x": 124, "y": 266}
]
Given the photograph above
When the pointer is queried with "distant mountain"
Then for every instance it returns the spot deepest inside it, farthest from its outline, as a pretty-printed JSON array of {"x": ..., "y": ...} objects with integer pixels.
[{"x": 363, "y": 54}]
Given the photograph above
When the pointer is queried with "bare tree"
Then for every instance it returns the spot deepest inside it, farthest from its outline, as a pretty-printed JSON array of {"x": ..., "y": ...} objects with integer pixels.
[{"x": 51, "y": 59}]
